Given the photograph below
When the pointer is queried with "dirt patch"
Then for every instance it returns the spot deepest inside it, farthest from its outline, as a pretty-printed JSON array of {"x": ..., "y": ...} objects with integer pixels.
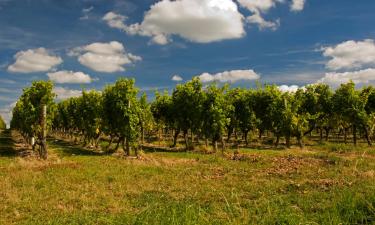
[
  {"x": 214, "y": 174},
  {"x": 291, "y": 165},
  {"x": 244, "y": 157},
  {"x": 369, "y": 174},
  {"x": 149, "y": 159},
  {"x": 326, "y": 183}
]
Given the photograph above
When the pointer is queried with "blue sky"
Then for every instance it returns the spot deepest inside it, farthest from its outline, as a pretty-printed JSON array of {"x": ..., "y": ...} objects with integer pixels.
[{"x": 90, "y": 43}]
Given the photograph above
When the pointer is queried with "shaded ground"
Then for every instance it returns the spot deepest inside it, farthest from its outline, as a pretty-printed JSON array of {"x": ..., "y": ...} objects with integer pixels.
[
  {"x": 318, "y": 185},
  {"x": 6, "y": 144}
]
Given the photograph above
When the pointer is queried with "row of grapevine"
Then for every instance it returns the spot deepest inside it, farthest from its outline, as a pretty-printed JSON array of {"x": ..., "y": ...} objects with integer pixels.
[
  {"x": 28, "y": 114},
  {"x": 213, "y": 113},
  {"x": 116, "y": 113}
]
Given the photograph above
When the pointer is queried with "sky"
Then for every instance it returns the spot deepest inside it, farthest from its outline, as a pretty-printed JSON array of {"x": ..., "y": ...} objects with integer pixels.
[{"x": 90, "y": 43}]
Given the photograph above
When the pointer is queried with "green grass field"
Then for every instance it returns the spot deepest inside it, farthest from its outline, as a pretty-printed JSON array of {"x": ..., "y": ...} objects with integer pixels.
[{"x": 317, "y": 185}]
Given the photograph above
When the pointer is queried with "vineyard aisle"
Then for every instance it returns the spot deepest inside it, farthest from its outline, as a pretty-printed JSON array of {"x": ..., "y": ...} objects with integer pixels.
[
  {"x": 6, "y": 144},
  {"x": 74, "y": 186}
]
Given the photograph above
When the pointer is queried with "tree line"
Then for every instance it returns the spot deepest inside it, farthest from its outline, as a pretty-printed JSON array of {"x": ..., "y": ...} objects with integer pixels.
[
  {"x": 195, "y": 113},
  {"x": 2, "y": 123}
]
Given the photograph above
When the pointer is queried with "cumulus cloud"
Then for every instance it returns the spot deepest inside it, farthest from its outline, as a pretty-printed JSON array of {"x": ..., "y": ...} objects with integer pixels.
[
  {"x": 116, "y": 21},
  {"x": 34, "y": 60},
  {"x": 134, "y": 58},
  {"x": 351, "y": 55},
  {"x": 201, "y": 21},
  {"x": 64, "y": 93},
  {"x": 104, "y": 57},
  {"x": 260, "y": 7},
  {"x": 291, "y": 88},
  {"x": 257, "y": 7},
  {"x": 65, "y": 77},
  {"x": 297, "y": 5},
  {"x": 359, "y": 77},
  {"x": 262, "y": 23},
  {"x": 229, "y": 76},
  {"x": 177, "y": 78}
]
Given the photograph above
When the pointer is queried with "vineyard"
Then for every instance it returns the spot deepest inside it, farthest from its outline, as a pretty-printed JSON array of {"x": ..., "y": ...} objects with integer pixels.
[
  {"x": 196, "y": 116},
  {"x": 200, "y": 154}
]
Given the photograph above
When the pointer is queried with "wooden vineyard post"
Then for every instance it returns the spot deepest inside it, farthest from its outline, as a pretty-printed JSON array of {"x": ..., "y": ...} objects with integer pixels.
[{"x": 43, "y": 136}]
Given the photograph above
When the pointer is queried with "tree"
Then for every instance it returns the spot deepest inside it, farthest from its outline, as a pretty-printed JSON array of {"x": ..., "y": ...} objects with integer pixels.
[
  {"x": 214, "y": 114},
  {"x": 301, "y": 118},
  {"x": 317, "y": 101},
  {"x": 350, "y": 106},
  {"x": 187, "y": 100},
  {"x": 146, "y": 120},
  {"x": 121, "y": 113},
  {"x": 289, "y": 119},
  {"x": 91, "y": 112},
  {"x": 162, "y": 112},
  {"x": 280, "y": 114},
  {"x": 243, "y": 102},
  {"x": 263, "y": 101}
]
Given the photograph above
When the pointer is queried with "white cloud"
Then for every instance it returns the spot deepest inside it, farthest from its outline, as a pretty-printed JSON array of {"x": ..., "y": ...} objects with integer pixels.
[
  {"x": 257, "y": 7},
  {"x": 260, "y": 7},
  {"x": 359, "y": 77},
  {"x": 297, "y": 5},
  {"x": 87, "y": 10},
  {"x": 116, "y": 21},
  {"x": 34, "y": 60},
  {"x": 160, "y": 39},
  {"x": 201, "y": 21},
  {"x": 229, "y": 76},
  {"x": 177, "y": 78},
  {"x": 351, "y": 55},
  {"x": 262, "y": 23},
  {"x": 63, "y": 93},
  {"x": 104, "y": 57},
  {"x": 291, "y": 88},
  {"x": 134, "y": 58},
  {"x": 62, "y": 77}
]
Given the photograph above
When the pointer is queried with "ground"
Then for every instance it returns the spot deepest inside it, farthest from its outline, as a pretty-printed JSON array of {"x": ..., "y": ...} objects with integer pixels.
[{"x": 322, "y": 184}]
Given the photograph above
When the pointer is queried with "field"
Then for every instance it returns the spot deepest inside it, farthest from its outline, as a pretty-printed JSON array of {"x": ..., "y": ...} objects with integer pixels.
[{"x": 321, "y": 184}]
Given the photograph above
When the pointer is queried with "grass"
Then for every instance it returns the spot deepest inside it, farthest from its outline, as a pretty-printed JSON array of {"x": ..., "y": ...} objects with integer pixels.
[{"x": 75, "y": 186}]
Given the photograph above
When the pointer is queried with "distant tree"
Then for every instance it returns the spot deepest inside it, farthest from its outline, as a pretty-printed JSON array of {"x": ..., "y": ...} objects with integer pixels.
[
  {"x": 280, "y": 114},
  {"x": 317, "y": 101},
  {"x": 146, "y": 120},
  {"x": 91, "y": 112},
  {"x": 301, "y": 118},
  {"x": 288, "y": 119},
  {"x": 121, "y": 113},
  {"x": 162, "y": 111},
  {"x": 232, "y": 95},
  {"x": 350, "y": 106},
  {"x": 214, "y": 114},
  {"x": 2, "y": 124},
  {"x": 243, "y": 102},
  {"x": 263, "y": 101},
  {"x": 187, "y": 101}
]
